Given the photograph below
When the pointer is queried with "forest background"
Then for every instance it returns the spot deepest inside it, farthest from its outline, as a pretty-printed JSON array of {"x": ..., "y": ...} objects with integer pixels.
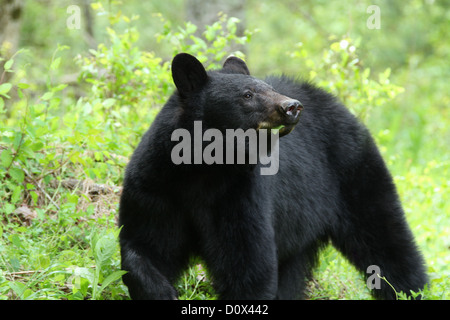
[{"x": 81, "y": 81}]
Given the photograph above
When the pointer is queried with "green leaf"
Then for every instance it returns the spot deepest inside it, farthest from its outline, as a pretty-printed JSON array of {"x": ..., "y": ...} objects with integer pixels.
[
  {"x": 43, "y": 261},
  {"x": 15, "y": 263},
  {"x": 98, "y": 156},
  {"x": 82, "y": 278},
  {"x": 104, "y": 249},
  {"x": 274, "y": 130},
  {"x": 8, "y": 64},
  {"x": 59, "y": 87},
  {"x": 16, "y": 240},
  {"x": 111, "y": 278},
  {"x": 81, "y": 285},
  {"x": 17, "y": 174},
  {"x": 34, "y": 196},
  {"x": 4, "y": 89},
  {"x": 190, "y": 28},
  {"x": 23, "y": 85},
  {"x": 231, "y": 25},
  {"x": 17, "y": 192},
  {"x": 47, "y": 96},
  {"x": 108, "y": 103},
  {"x": 210, "y": 34},
  {"x": 6, "y": 158},
  {"x": 85, "y": 273},
  {"x": 55, "y": 63},
  {"x": 37, "y": 146},
  {"x": 18, "y": 138},
  {"x": 96, "y": 6},
  {"x": 18, "y": 288},
  {"x": 8, "y": 208}
]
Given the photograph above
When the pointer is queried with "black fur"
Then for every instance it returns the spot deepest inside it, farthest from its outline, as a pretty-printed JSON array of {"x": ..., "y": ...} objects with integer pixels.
[{"x": 259, "y": 235}]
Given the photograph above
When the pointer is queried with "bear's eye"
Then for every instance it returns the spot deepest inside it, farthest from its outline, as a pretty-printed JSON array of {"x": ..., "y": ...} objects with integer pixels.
[{"x": 248, "y": 95}]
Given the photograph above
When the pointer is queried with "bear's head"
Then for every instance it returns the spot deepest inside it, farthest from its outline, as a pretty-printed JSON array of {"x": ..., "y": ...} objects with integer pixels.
[{"x": 231, "y": 98}]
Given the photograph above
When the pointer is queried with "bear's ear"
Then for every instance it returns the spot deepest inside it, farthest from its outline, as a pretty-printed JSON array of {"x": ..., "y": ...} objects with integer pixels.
[
  {"x": 188, "y": 73},
  {"x": 235, "y": 65}
]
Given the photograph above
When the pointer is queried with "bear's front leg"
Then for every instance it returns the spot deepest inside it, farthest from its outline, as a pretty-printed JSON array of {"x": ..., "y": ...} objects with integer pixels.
[
  {"x": 154, "y": 245},
  {"x": 240, "y": 253},
  {"x": 144, "y": 280}
]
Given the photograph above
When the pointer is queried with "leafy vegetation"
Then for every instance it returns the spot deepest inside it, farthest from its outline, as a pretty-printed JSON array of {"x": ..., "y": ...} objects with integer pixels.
[{"x": 64, "y": 145}]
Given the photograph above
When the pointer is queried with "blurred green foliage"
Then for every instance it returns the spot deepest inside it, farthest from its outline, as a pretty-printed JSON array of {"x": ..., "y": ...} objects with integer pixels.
[{"x": 61, "y": 243}]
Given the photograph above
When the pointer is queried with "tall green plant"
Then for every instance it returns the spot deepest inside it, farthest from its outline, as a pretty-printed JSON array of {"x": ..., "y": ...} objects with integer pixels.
[
  {"x": 91, "y": 282},
  {"x": 339, "y": 70},
  {"x": 212, "y": 46}
]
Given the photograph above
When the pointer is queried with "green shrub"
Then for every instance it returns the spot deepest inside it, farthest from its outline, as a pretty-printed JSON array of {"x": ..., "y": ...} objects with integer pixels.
[
  {"x": 339, "y": 70},
  {"x": 211, "y": 48}
]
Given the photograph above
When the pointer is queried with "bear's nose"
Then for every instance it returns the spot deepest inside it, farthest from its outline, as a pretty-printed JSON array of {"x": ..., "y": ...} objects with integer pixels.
[{"x": 291, "y": 107}]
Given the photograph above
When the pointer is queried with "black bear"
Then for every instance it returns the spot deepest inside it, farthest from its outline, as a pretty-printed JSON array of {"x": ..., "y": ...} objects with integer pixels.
[{"x": 258, "y": 233}]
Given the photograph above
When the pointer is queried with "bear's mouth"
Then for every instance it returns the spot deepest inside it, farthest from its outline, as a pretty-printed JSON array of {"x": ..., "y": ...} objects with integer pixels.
[
  {"x": 282, "y": 129},
  {"x": 284, "y": 118}
]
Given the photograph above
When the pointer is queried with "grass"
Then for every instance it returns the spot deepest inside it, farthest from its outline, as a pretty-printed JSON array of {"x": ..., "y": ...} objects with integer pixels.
[{"x": 65, "y": 256}]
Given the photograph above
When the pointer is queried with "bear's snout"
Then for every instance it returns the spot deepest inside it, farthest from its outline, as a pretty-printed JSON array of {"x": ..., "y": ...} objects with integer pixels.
[{"x": 291, "y": 108}]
